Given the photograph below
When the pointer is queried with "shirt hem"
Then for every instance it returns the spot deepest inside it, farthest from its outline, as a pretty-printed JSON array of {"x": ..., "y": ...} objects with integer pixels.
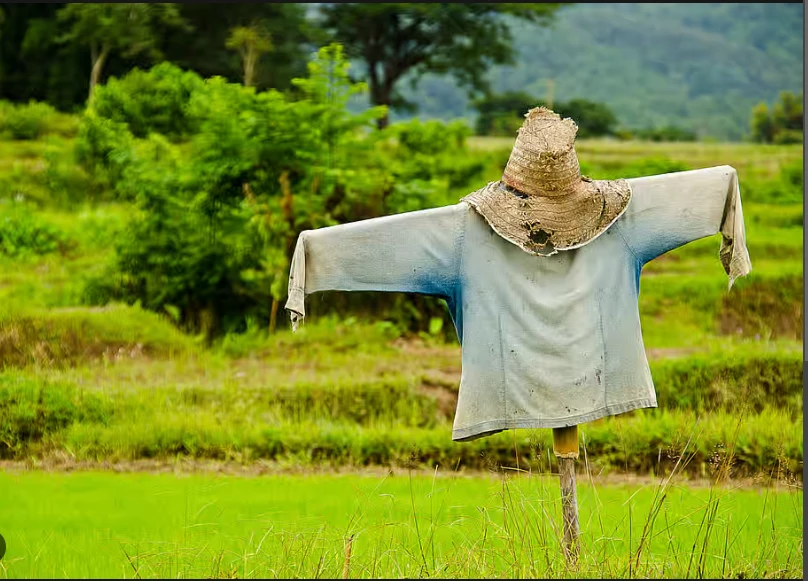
[{"x": 493, "y": 426}]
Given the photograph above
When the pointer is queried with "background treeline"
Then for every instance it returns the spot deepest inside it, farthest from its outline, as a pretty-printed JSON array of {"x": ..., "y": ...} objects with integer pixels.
[{"x": 637, "y": 68}]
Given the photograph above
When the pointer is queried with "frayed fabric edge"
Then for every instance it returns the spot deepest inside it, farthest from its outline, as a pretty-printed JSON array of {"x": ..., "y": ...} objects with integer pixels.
[{"x": 296, "y": 318}]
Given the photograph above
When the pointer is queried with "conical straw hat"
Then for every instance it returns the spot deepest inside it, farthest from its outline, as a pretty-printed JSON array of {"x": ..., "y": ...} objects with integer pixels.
[{"x": 542, "y": 203}]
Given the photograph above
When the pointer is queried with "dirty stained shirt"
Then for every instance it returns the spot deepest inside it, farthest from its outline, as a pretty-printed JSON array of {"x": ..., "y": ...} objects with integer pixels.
[{"x": 546, "y": 341}]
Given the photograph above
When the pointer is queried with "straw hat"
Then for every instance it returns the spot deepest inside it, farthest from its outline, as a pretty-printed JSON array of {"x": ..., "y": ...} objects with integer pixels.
[{"x": 542, "y": 203}]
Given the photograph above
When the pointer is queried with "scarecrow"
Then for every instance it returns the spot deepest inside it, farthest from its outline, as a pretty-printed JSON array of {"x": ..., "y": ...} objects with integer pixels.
[{"x": 541, "y": 274}]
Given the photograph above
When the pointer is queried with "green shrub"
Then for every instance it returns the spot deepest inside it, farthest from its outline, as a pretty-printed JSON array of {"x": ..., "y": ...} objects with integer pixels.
[
  {"x": 669, "y": 133},
  {"x": 23, "y": 234},
  {"x": 26, "y": 121},
  {"x": 104, "y": 148},
  {"x": 503, "y": 114},
  {"x": 150, "y": 101},
  {"x": 66, "y": 182}
]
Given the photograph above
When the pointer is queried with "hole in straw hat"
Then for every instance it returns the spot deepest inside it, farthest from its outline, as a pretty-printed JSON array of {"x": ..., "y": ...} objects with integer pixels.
[{"x": 537, "y": 235}]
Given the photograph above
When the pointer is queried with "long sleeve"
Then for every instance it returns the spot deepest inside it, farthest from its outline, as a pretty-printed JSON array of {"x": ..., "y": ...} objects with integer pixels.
[
  {"x": 410, "y": 252},
  {"x": 669, "y": 210}
]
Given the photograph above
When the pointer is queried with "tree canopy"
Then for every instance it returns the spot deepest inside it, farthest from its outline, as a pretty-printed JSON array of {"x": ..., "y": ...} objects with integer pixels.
[
  {"x": 395, "y": 39},
  {"x": 126, "y": 27}
]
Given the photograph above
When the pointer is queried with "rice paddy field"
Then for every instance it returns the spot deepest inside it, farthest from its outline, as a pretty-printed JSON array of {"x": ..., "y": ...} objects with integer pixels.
[{"x": 131, "y": 449}]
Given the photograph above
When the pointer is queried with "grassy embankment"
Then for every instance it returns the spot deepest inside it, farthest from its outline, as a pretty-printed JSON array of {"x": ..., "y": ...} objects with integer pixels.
[{"x": 119, "y": 383}]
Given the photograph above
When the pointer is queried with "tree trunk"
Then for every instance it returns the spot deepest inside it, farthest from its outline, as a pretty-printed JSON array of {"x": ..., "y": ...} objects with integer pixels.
[
  {"x": 273, "y": 316},
  {"x": 380, "y": 94},
  {"x": 95, "y": 73},
  {"x": 249, "y": 67}
]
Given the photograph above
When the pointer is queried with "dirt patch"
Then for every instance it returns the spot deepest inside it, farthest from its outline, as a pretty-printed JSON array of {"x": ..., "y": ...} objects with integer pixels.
[
  {"x": 670, "y": 352},
  {"x": 182, "y": 467}
]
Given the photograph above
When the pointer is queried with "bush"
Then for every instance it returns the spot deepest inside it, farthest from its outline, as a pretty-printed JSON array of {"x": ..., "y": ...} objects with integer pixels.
[
  {"x": 150, "y": 101},
  {"x": 669, "y": 133},
  {"x": 783, "y": 124},
  {"x": 432, "y": 159},
  {"x": 503, "y": 114},
  {"x": 23, "y": 234},
  {"x": 28, "y": 121},
  {"x": 104, "y": 148}
]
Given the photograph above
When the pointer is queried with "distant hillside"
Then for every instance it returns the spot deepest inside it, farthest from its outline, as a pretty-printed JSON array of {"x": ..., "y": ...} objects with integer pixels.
[{"x": 697, "y": 66}]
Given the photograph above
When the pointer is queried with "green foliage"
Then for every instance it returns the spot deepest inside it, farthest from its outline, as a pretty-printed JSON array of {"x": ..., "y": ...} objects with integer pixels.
[
  {"x": 423, "y": 38},
  {"x": 251, "y": 42},
  {"x": 23, "y": 234},
  {"x": 125, "y": 27},
  {"x": 699, "y": 67},
  {"x": 26, "y": 121},
  {"x": 104, "y": 148},
  {"x": 503, "y": 114},
  {"x": 669, "y": 133},
  {"x": 215, "y": 231},
  {"x": 783, "y": 125},
  {"x": 150, "y": 101},
  {"x": 593, "y": 119},
  {"x": 431, "y": 161}
]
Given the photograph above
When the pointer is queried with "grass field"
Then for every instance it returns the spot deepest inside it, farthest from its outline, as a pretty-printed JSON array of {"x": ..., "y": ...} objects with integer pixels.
[
  {"x": 90, "y": 524},
  {"x": 347, "y": 399}
]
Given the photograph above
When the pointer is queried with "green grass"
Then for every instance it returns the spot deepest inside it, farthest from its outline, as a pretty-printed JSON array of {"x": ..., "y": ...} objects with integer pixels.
[
  {"x": 338, "y": 394},
  {"x": 88, "y": 524}
]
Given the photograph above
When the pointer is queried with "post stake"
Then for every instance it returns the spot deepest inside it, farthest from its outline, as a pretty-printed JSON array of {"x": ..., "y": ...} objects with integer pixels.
[{"x": 565, "y": 447}]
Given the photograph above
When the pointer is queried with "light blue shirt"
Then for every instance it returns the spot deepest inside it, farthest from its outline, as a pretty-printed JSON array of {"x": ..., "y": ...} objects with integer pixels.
[{"x": 546, "y": 341}]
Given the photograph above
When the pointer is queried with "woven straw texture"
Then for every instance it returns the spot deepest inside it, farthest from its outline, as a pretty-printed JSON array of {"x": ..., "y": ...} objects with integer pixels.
[{"x": 542, "y": 203}]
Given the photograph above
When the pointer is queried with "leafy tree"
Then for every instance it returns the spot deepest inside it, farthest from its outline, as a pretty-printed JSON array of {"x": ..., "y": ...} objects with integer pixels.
[
  {"x": 503, "y": 114},
  {"x": 593, "y": 119},
  {"x": 250, "y": 42},
  {"x": 205, "y": 50},
  {"x": 783, "y": 124},
  {"x": 154, "y": 100},
  {"x": 393, "y": 40},
  {"x": 126, "y": 27}
]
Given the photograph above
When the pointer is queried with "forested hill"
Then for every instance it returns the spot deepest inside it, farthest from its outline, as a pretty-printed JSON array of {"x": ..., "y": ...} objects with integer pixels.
[{"x": 701, "y": 67}]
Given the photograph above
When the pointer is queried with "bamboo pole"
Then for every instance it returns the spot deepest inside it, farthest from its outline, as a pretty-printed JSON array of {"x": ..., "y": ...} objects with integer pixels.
[{"x": 565, "y": 447}]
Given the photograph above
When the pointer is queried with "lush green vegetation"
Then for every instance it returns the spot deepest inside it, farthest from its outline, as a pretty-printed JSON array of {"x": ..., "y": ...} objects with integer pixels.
[
  {"x": 696, "y": 67},
  {"x": 645, "y": 62},
  {"x": 144, "y": 246},
  {"x": 142, "y": 525}
]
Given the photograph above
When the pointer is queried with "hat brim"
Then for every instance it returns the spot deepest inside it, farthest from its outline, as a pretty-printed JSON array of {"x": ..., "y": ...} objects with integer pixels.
[{"x": 543, "y": 225}]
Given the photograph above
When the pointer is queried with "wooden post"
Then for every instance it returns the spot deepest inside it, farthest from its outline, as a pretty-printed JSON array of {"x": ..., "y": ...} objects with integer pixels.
[{"x": 565, "y": 447}]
